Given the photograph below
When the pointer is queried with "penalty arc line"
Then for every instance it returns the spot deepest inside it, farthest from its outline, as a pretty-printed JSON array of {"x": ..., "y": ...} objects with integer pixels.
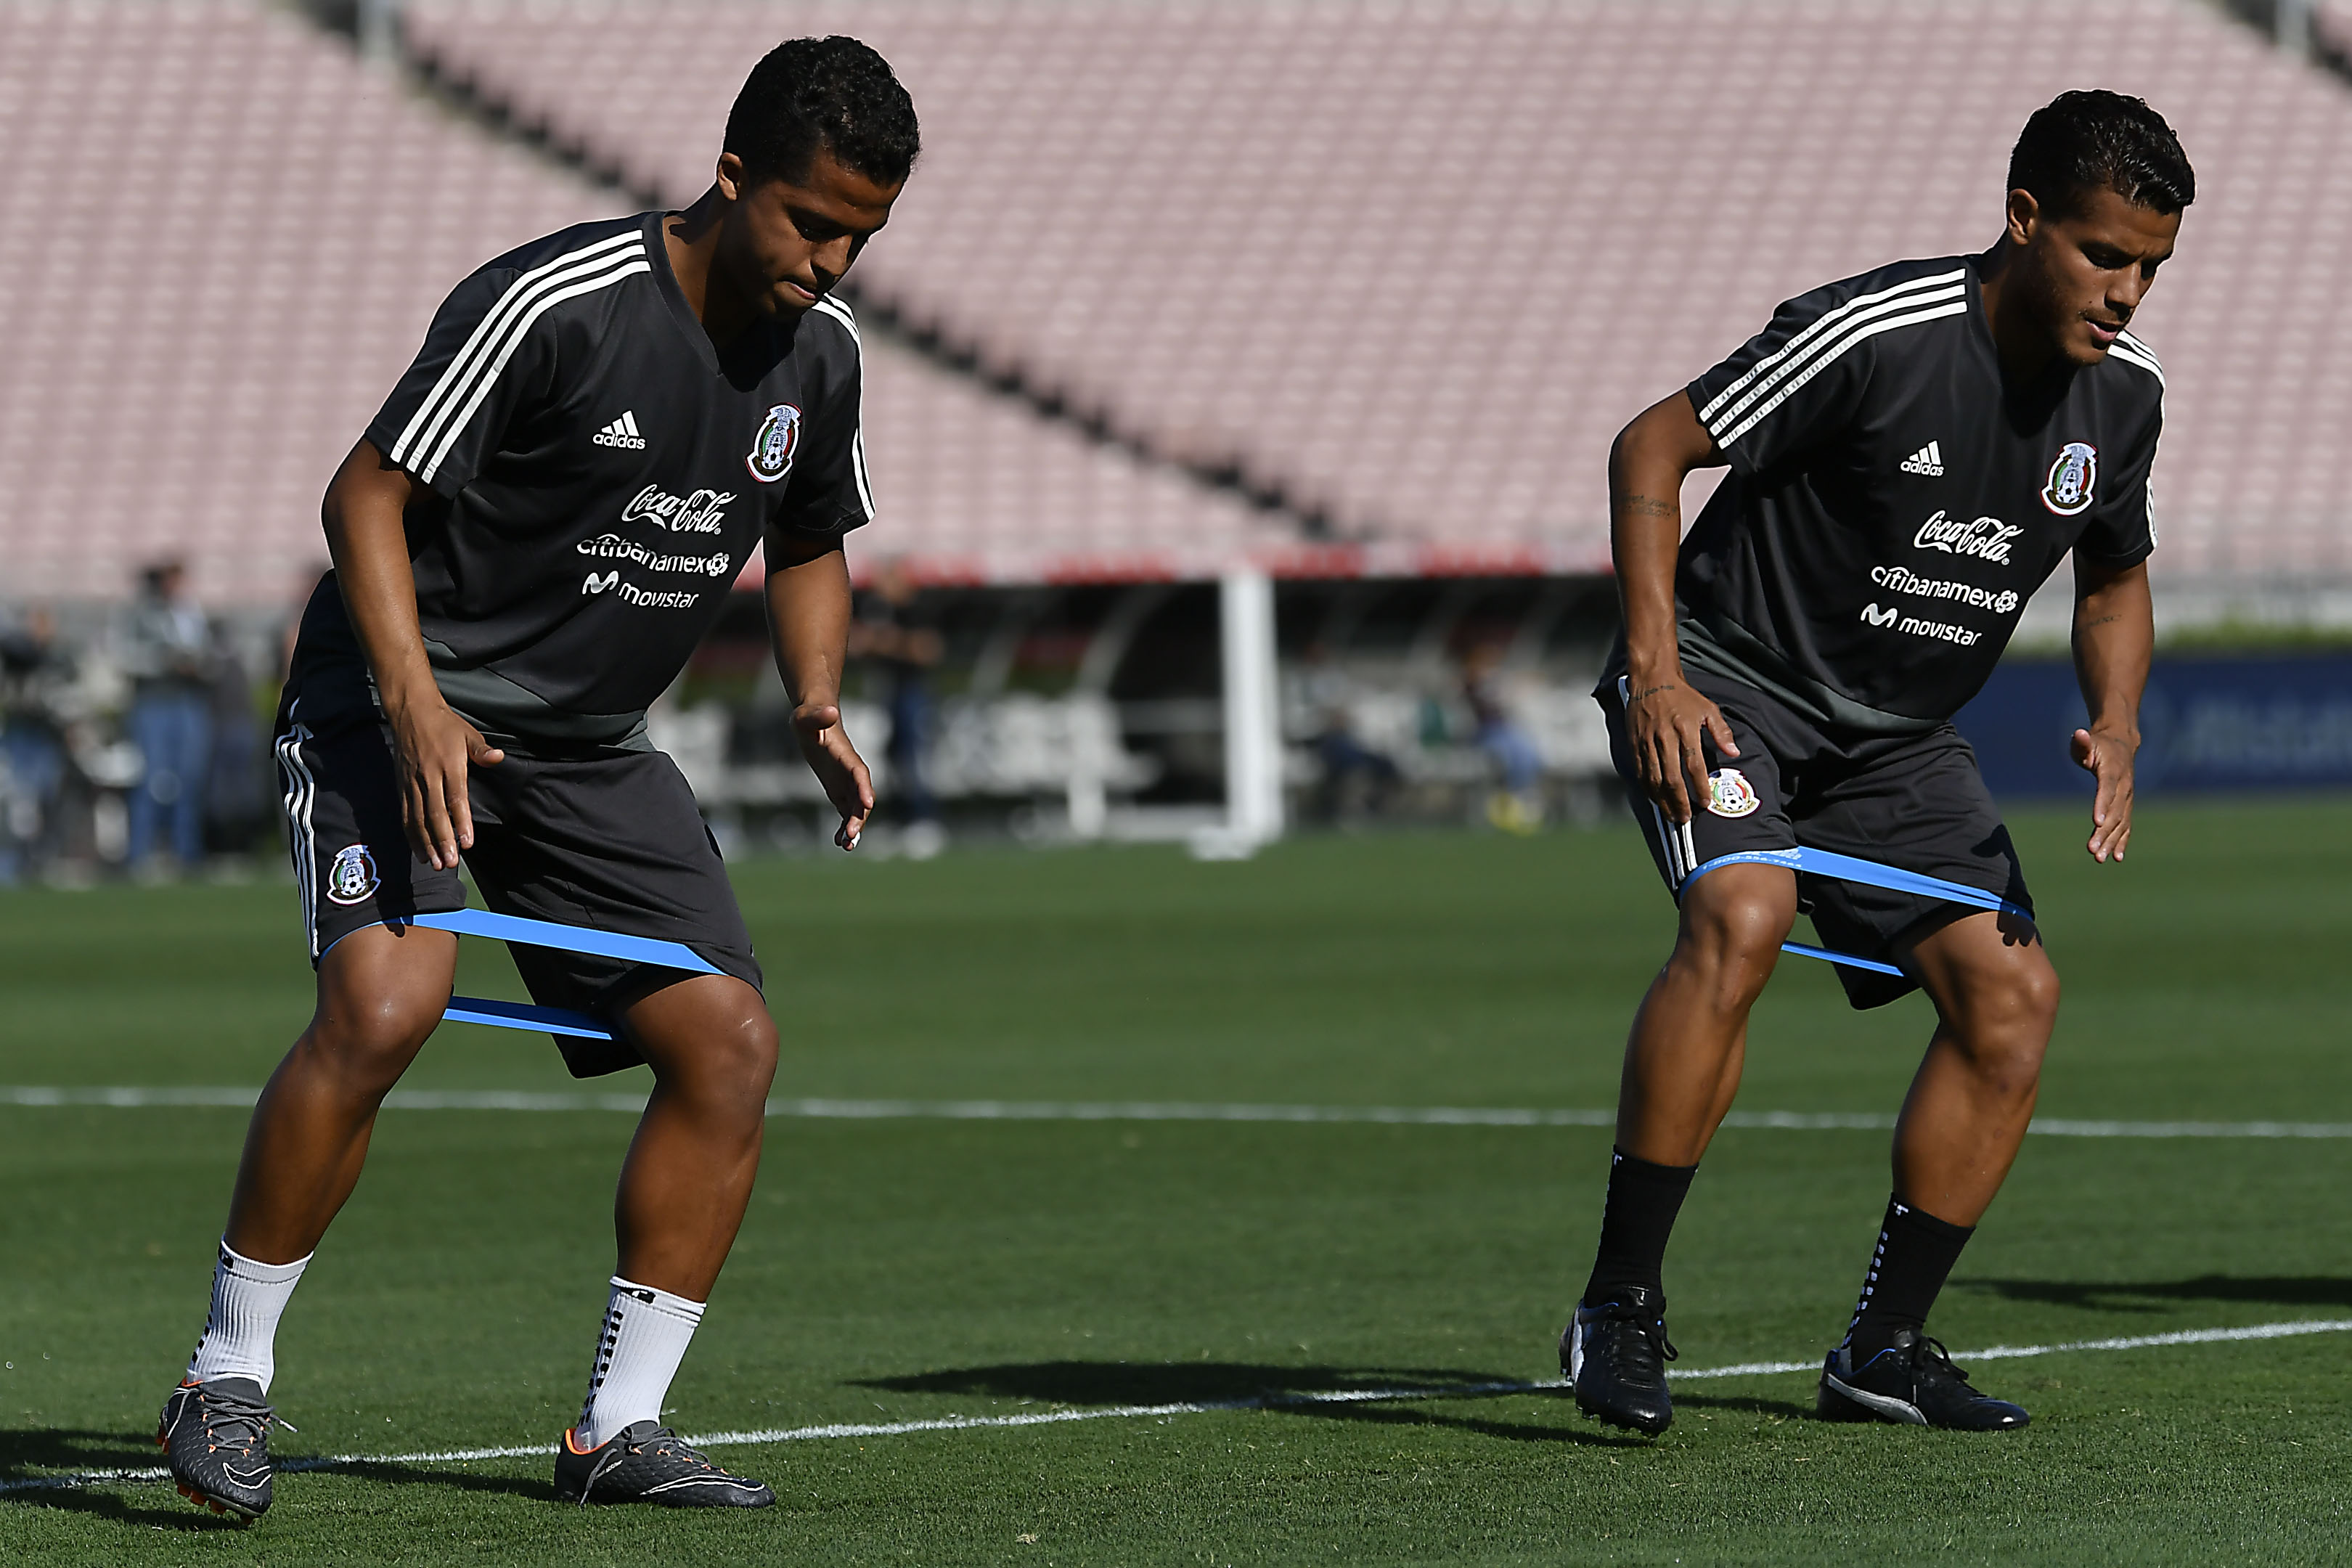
[
  {"x": 1205, "y": 1407},
  {"x": 239, "y": 1098}
]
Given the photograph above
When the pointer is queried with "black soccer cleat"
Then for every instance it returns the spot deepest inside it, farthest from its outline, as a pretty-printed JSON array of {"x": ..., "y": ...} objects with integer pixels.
[
  {"x": 1914, "y": 1383},
  {"x": 217, "y": 1436},
  {"x": 648, "y": 1462},
  {"x": 1615, "y": 1357}
]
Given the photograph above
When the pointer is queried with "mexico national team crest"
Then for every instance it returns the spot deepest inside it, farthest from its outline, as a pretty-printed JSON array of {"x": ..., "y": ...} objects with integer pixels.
[
  {"x": 2073, "y": 479},
  {"x": 1729, "y": 792},
  {"x": 351, "y": 877},
  {"x": 771, "y": 457}
]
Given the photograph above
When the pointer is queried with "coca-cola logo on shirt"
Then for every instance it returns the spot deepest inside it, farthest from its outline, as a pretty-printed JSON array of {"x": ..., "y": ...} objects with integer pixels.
[
  {"x": 696, "y": 513},
  {"x": 1987, "y": 538}
]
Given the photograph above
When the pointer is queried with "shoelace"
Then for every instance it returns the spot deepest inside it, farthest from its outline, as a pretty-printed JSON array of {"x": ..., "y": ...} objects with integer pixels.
[
  {"x": 1653, "y": 1327},
  {"x": 230, "y": 1422},
  {"x": 1927, "y": 1351}
]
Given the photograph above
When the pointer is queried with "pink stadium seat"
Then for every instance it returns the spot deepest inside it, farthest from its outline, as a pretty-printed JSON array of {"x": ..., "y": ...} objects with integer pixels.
[
  {"x": 1416, "y": 265},
  {"x": 195, "y": 341}
]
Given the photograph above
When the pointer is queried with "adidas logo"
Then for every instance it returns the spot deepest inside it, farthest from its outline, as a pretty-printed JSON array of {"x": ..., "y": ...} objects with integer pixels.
[
  {"x": 1928, "y": 460},
  {"x": 623, "y": 432}
]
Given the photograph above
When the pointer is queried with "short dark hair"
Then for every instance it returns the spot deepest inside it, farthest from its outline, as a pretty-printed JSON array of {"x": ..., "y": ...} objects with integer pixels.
[
  {"x": 2082, "y": 142},
  {"x": 833, "y": 93}
]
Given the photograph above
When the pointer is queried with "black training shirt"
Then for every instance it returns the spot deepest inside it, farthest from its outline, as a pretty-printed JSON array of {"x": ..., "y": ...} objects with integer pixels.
[
  {"x": 592, "y": 475},
  {"x": 1892, "y": 505}
]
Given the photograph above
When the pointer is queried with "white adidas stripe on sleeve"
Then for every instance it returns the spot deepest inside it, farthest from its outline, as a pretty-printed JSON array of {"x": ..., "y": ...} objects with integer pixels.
[
  {"x": 493, "y": 340},
  {"x": 1822, "y": 360},
  {"x": 462, "y": 364},
  {"x": 1828, "y": 324},
  {"x": 1795, "y": 370},
  {"x": 841, "y": 312},
  {"x": 513, "y": 339}
]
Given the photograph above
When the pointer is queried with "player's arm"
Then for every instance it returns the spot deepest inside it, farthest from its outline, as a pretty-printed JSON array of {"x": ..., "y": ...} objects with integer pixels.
[
  {"x": 1666, "y": 721},
  {"x": 431, "y": 745},
  {"x": 808, "y": 619},
  {"x": 2115, "y": 636}
]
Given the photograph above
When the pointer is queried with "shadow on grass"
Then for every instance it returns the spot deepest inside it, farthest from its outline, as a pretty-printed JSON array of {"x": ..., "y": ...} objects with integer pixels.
[
  {"x": 2152, "y": 1296},
  {"x": 51, "y": 1455},
  {"x": 425, "y": 1474},
  {"x": 1319, "y": 1392},
  {"x": 46, "y": 1452}
]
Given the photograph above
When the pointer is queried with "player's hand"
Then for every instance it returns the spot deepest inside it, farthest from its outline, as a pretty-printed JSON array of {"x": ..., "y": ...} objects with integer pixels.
[
  {"x": 434, "y": 747},
  {"x": 2108, "y": 759},
  {"x": 835, "y": 763},
  {"x": 1670, "y": 725}
]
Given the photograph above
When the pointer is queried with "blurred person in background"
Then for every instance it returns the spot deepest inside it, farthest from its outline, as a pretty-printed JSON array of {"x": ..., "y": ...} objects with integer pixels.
[
  {"x": 237, "y": 795},
  {"x": 167, "y": 652},
  {"x": 34, "y": 667},
  {"x": 1518, "y": 806},
  {"x": 1357, "y": 779},
  {"x": 895, "y": 634}
]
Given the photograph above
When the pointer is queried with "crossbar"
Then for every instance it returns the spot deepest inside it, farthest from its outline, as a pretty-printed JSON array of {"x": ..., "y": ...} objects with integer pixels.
[
  {"x": 568, "y": 939},
  {"x": 1869, "y": 873}
]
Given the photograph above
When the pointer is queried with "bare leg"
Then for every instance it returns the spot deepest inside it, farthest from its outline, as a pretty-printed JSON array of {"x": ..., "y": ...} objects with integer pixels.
[
  {"x": 1997, "y": 998},
  {"x": 380, "y": 993},
  {"x": 1683, "y": 1060},
  {"x": 689, "y": 1172}
]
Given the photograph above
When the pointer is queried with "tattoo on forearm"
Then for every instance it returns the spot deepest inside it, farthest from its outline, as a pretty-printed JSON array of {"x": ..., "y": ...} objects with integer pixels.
[
  {"x": 1647, "y": 505},
  {"x": 1652, "y": 691},
  {"x": 2102, "y": 621}
]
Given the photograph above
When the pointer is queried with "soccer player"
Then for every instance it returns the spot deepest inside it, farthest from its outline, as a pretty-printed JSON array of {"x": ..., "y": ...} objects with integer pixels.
[
  {"x": 529, "y": 540},
  {"x": 1911, "y": 452}
]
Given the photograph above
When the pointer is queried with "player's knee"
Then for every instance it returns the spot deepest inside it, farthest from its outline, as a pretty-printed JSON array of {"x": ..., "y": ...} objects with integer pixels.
[
  {"x": 371, "y": 1041},
  {"x": 737, "y": 1063},
  {"x": 2020, "y": 997},
  {"x": 1733, "y": 942},
  {"x": 2011, "y": 1011}
]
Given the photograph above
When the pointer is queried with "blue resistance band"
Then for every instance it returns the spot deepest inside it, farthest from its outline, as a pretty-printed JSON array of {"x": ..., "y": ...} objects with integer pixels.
[
  {"x": 1870, "y": 873},
  {"x": 568, "y": 939}
]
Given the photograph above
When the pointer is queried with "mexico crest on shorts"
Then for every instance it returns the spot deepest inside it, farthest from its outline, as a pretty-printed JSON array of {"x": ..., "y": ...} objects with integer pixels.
[
  {"x": 771, "y": 457},
  {"x": 2074, "y": 476},
  {"x": 1729, "y": 792},
  {"x": 351, "y": 877}
]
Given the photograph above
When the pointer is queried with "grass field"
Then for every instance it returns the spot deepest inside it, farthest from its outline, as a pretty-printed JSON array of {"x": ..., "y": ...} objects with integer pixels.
[{"x": 905, "y": 1270}]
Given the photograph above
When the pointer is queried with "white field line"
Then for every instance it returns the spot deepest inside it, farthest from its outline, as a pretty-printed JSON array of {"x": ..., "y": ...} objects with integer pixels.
[
  {"x": 1164, "y": 1412},
  {"x": 1150, "y": 1110}
]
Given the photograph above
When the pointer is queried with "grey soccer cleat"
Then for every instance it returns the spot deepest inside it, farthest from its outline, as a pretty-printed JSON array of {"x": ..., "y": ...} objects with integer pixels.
[
  {"x": 648, "y": 1462},
  {"x": 216, "y": 1436}
]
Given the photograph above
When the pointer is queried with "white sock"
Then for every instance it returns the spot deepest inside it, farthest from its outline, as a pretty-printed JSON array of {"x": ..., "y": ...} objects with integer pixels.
[
  {"x": 645, "y": 1337},
  {"x": 241, "y": 1332}
]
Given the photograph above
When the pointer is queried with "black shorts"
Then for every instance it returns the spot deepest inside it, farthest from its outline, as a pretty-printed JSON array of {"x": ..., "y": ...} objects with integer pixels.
[
  {"x": 1916, "y": 802},
  {"x": 609, "y": 839}
]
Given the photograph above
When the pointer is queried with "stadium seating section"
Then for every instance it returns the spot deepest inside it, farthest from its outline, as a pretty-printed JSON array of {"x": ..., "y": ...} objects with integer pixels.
[
  {"x": 223, "y": 240},
  {"x": 1415, "y": 265},
  {"x": 1408, "y": 267}
]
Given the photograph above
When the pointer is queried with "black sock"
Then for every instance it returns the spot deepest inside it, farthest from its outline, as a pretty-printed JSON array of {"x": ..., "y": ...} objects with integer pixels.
[
  {"x": 1916, "y": 1252},
  {"x": 1643, "y": 1199}
]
